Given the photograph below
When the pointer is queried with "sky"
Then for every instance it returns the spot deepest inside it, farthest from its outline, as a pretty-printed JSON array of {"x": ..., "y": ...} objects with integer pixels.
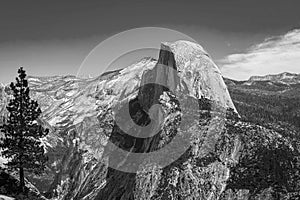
[
  {"x": 273, "y": 55},
  {"x": 243, "y": 37}
]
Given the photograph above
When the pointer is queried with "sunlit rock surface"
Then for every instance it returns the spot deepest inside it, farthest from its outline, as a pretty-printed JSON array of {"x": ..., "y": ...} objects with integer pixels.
[{"x": 81, "y": 114}]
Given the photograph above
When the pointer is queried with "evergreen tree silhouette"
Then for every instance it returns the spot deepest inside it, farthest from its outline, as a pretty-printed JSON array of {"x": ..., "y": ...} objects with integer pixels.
[{"x": 21, "y": 142}]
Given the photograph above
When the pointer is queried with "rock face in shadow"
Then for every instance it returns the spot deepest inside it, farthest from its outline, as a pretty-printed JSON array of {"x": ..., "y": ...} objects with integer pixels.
[
  {"x": 180, "y": 179},
  {"x": 139, "y": 109}
]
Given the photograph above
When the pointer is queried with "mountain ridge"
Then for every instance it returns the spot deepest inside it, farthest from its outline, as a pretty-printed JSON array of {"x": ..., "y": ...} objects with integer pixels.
[
  {"x": 78, "y": 114},
  {"x": 284, "y": 78},
  {"x": 82, "y": 114}
]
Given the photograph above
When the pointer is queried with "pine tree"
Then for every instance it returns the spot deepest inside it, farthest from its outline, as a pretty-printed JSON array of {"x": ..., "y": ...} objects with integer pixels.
[{"x": 21, "y": 142}]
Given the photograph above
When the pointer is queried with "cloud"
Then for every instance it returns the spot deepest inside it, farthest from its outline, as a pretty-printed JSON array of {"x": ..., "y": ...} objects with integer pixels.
[{"x": 274, "y": 55}]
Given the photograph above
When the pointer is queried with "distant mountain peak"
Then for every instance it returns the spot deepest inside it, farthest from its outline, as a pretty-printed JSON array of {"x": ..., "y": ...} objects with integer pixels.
[
  {"x": 284, "y": 77},
  {"x": 273, "y": 77},
  {"x": 82, "y": 115}
]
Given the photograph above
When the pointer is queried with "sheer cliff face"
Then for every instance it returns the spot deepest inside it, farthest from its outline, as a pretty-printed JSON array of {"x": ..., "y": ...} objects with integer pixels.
[{"x": 82, "y": 115}]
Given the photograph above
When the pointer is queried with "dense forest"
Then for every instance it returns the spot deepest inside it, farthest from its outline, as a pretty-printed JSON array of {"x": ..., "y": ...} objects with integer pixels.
[{"x": 269, "y": 126}]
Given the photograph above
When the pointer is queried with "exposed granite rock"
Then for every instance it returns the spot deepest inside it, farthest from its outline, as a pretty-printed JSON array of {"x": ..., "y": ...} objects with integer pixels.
[{"x": 82, "y": 115}]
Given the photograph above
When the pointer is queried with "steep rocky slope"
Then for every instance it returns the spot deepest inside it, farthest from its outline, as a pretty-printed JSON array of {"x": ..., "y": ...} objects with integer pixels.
[
  {"x": 272, "y": 102},
  {"x": 178, "y": 98}
]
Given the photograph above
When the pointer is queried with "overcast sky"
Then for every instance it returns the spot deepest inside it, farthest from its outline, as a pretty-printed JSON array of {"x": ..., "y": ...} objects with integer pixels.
[{"x": 244, "y": 37}]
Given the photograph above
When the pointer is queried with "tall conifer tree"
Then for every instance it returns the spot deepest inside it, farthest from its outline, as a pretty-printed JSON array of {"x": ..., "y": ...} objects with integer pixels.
[{"x": 21, "y": 143}]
